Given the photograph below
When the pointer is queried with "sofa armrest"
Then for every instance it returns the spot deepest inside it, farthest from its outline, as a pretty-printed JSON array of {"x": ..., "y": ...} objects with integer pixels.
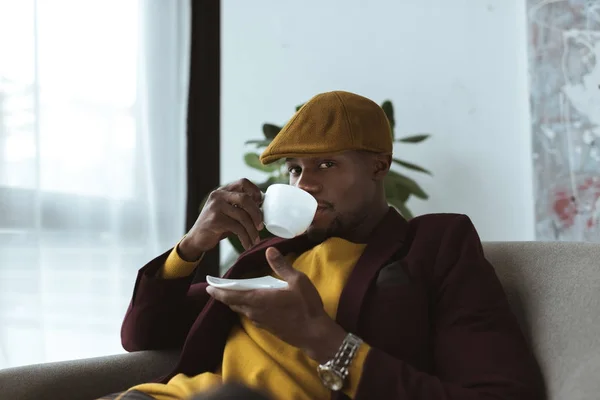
[{"x": 85, "y": 379}]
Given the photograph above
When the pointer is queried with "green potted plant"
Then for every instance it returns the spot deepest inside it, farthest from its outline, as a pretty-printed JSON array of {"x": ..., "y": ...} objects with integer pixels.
[{"x": 398, "y": 187}]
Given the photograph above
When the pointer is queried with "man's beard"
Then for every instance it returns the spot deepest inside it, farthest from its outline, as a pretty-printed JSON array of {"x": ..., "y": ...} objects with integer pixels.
[
  {"x": 341, "y": 226},
  {"x": 319, "y": 235}
]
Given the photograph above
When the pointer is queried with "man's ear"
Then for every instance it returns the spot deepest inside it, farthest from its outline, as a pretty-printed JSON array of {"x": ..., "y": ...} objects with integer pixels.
[{"x": 381, "y": 164}]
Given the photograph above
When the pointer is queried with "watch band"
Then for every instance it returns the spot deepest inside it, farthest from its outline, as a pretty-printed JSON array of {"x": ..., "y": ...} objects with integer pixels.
[
  {"x": 334, "y": 373},
  {"x": 344, "y": 356}
]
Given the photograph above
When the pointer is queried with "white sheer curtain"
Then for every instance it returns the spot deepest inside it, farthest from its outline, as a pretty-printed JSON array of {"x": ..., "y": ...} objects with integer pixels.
[{"x": 93, "y": 101}]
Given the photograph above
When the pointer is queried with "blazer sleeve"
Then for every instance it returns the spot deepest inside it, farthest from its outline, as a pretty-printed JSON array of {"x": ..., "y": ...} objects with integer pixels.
[
  {"x": 161, "y": 311},
  {"x": 479, "y": 351}
]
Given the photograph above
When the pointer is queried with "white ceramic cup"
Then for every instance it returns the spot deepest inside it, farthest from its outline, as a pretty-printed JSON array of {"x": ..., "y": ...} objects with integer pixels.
[{"x": 287, "y": 210}]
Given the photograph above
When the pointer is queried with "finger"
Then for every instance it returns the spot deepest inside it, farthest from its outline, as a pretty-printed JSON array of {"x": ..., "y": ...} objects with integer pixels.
[
  {"x": 258, "y": 325},
  {"x": 238, "y": 214},
  {"x": 232, "y": 225},
  {"x": 245, "y": 202},
  {"x": 239, "y": 310},
  {"x": 245, "y": 186},
  {"x": 248, "y": 313},
  {"x": 279, "y": 264},
  {"x": 232, "y": 298},
  {"x": 252, "y": 190},
  {"x": 252, "y": 315}
]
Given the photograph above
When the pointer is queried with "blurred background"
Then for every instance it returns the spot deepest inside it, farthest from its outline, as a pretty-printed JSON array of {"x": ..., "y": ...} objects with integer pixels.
[{"x": 117, "y": 118}]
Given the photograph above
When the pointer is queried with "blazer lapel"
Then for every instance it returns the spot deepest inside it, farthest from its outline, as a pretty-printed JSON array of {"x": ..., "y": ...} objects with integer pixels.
[{"x": 386, "y": 240}]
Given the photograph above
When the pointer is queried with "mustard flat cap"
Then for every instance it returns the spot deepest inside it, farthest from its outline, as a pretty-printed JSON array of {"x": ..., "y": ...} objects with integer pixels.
[{"x": 330, "y": 123}]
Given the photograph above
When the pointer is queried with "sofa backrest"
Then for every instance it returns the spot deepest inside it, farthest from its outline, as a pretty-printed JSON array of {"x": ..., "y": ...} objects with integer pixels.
[{"x": 554, "y": 289}]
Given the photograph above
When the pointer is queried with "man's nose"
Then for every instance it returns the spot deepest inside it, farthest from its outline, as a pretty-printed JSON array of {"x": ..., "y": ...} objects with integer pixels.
[{"x": 309, "y": 183}]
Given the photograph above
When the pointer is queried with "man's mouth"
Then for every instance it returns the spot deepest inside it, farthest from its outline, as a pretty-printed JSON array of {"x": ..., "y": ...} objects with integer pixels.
[
  {"x": 323, "y": 208},
  {"x": 324, "y": 204}
]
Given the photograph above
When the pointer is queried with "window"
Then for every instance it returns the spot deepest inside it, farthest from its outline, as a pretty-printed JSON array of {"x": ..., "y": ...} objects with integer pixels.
[{"x": 89, "y": 189}]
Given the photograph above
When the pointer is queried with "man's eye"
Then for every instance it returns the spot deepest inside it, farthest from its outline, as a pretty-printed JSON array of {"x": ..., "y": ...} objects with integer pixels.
[
  {"x": 294, "y": 170},
  {"x": 326, "y": 164}
]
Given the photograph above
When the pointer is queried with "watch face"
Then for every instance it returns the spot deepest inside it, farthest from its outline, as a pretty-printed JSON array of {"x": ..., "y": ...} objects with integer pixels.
[{"x": 331, "y": 379}]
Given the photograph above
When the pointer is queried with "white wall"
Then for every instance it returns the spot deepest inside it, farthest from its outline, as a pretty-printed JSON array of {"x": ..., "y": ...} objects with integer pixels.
[{"x": 455, "y": 69}]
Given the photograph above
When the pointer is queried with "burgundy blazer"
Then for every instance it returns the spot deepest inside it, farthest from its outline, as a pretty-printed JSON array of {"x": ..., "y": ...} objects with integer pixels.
[{"x": 422, "y": 295}]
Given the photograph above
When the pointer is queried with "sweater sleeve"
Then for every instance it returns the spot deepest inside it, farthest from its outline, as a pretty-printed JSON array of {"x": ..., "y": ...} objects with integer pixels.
[
  {"x": 479, "y": 351},
  {"x": 176, "y": 267}
]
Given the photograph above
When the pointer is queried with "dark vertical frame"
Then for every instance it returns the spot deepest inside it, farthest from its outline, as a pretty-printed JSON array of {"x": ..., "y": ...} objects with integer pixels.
[{"x": 203, "y": 117}]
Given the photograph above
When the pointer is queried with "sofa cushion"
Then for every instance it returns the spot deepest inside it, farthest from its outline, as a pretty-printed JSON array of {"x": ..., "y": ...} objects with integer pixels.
[{"x": 554, "y": 288}]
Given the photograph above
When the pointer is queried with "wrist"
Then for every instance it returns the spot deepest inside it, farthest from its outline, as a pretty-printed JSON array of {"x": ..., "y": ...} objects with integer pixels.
[
  {"x": 326, "y": 338},
  {"x": 188, "y": 251}
]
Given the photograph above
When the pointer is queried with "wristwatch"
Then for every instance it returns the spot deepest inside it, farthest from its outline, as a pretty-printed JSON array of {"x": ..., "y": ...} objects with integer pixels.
[{"x": 334, "y": 372}]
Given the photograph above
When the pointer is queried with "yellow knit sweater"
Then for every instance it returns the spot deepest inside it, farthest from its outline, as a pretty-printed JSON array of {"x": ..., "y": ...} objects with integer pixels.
[{"x": 260, "y": 359}]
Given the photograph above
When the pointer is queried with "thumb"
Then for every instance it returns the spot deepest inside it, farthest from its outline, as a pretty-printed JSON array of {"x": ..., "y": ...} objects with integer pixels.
[{"x": 279, "y": 264}]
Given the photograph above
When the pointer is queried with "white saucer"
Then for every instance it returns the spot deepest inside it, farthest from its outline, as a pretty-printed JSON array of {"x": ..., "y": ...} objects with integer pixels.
[{"x": 264, "y": 282}]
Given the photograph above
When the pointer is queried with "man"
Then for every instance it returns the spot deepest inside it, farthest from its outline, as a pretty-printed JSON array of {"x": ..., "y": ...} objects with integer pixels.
[{"x": 376, "y": 308}]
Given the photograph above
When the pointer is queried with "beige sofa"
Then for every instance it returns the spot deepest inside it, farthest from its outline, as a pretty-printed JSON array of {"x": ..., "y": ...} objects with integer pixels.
[{"x": 553, "y": 287}]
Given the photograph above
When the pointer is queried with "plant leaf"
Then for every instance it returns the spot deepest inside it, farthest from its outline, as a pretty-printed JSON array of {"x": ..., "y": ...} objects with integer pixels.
[
  {"x": 394, "y": 191},
  {"x": 400, "y": 205},
  {"x": 270, "y": 130},
  {"x": 299, "y": 107},
  {"x": 264, "y": 185},
  {"x": 235, "y": 242},
  {"x": 265, "y": 234},
  {"x": 414, "y": 138},
  {"x": 412, "y": 166},
  {"x": 388, "y": 108},
  {"x": 406, "y": 213},
  {"x": 258, "y": 143},
  {"x": 412, "y": 186},
  {"x": 253, "y": 161}
]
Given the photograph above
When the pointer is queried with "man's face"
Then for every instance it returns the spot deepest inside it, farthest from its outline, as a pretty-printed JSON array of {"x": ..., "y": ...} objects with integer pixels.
[{"x": 343, "y": 185}]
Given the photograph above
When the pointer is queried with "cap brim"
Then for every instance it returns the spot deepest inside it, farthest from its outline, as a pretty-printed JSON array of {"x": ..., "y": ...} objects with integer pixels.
[{"x": 271, "y": 158}]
